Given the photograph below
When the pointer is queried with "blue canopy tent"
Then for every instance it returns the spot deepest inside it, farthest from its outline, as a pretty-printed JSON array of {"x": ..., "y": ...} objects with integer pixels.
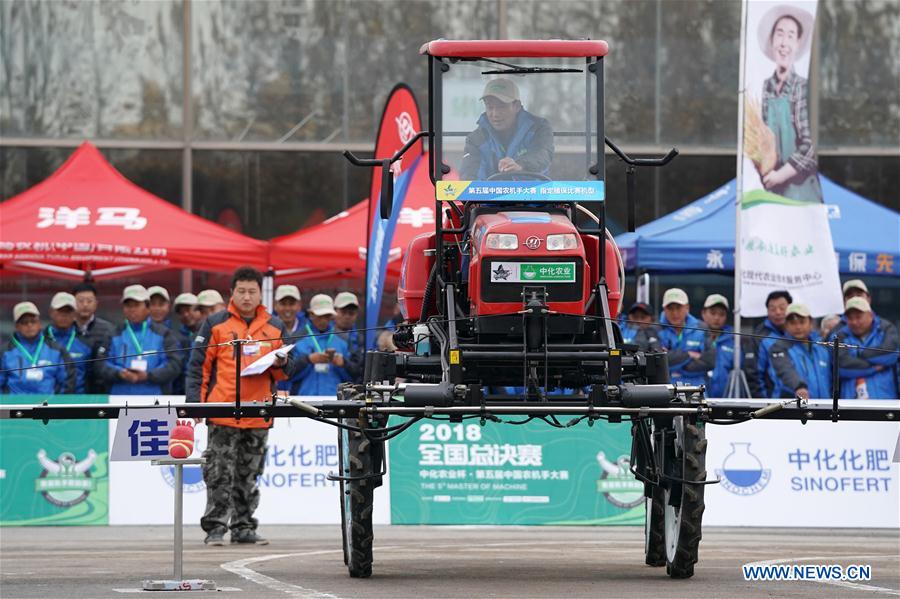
[{"x": 700, "y": 236}]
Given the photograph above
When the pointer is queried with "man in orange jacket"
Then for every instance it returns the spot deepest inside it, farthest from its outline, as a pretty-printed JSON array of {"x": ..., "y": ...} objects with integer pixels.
[{"x": 236, "y": 449}]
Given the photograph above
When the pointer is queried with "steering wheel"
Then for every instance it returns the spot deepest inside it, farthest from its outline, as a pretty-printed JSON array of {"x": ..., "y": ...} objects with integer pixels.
[{"x": 519, "y": 176}]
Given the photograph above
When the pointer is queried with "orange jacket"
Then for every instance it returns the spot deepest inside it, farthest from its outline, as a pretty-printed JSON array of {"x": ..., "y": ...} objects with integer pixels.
[{"x": 211, "y": 373}]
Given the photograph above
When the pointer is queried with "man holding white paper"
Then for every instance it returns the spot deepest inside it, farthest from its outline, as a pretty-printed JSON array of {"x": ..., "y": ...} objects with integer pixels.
[{"x": 236, "y": 449}]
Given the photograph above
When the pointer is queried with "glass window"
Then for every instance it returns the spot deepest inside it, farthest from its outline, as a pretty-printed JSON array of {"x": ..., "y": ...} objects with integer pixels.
[
  {"x": 528, "y": 116},
  {"x": 266, "y": 194},
  {"x": 91, "y": 69}
]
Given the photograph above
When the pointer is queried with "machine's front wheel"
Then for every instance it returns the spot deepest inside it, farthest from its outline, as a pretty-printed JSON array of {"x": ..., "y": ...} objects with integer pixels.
[
  {"x": 357, "y": 497},
  {"x": 684, "y": 502},
  {"x": 654, "y": 528}
]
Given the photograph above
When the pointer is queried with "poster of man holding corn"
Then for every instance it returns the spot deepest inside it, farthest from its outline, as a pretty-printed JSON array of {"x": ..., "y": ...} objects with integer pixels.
[{"x": 785, "y": 239}]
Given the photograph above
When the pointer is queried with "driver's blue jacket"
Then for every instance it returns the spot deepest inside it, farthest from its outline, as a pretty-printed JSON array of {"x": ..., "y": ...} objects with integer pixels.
[{"x": 531, "y": 146}]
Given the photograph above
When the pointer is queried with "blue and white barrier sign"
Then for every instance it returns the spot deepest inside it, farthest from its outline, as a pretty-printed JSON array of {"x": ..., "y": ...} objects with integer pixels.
[
  {"x": 782, "y": 473},
  {"x": 521, "y": 191}
]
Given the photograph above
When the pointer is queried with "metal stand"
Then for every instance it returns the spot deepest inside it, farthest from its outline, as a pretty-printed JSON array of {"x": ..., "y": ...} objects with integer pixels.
[{"x": 178, "y": 583}]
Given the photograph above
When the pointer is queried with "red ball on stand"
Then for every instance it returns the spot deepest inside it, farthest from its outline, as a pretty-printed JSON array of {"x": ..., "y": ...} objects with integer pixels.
[{"x": 181, "y": 440}]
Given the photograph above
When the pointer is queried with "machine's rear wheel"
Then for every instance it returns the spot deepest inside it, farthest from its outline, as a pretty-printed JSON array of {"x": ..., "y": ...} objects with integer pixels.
[
  {"x": 683, "y": 504},
  {"x": 357, "y": 499}
]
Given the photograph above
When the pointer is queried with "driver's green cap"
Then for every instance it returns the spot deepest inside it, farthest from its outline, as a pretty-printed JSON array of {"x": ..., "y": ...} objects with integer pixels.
[{"x": 502, "y": 89}]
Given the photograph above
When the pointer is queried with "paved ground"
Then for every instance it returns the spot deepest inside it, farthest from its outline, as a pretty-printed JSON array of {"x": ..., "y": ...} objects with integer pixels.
[{"x": 306, "y": 561}]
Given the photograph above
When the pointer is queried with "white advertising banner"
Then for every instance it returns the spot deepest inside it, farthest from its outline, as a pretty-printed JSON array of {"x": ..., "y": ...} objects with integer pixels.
[
  {"x": 293, "y": 487},
  {"x": 785, "y": 240},
  {"x": 821, "y": 474}
]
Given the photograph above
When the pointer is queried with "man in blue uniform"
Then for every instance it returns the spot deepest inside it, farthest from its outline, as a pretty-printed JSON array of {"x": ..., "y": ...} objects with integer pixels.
[
  {"x": 718, "y": 348},
  {"x": 289, "y": 307},
  {"x": 869, "y": 370},
  {"x": 346, "y": 305},
  {"x": 32, "y": 363},
  {"x": 682, "y": 338},
  {"x": 322, "y": 354},
  {"x": 802, "y": 368},
  {"x": 637, "y": 325},
  {"x": 760, "y": 374},
  {"x": 63, "y": 331},
  {"x": 144, "y": 356}
]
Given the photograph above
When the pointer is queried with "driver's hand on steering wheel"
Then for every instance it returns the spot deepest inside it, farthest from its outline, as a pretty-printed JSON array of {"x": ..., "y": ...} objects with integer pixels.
[{"x": 508, "y": 165}]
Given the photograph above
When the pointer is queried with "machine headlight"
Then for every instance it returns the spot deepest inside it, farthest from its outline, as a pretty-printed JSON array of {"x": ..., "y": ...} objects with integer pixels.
[
  {"x": 501, "y": 241},
  {"x": 565, "y": 241}
]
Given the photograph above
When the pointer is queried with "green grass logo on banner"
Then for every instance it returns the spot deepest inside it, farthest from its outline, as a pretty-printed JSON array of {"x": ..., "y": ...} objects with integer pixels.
[
  {"x": 463, "y": 473},
  {"x": 55, "y": 473}
]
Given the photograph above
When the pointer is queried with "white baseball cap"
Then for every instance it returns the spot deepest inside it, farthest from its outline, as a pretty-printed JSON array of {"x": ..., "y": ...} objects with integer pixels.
[
  {"x": 185, "y": 299},
  {"x": 284, "y": 291},
  {"x": 137, "y": 293},
  {"x": 857, "y": 303},
  {"x": 798, "y": 309},
  {"x": 23, "y": 308},
  {"x": 158, "y": 290},
  {"x": 61, "y": 300},
  {"x": 675, "y": 296},
  {"x": 716, "y": 299},
  {"x": 855, "y": 284},
  {"x": 209, "y": 298},
  {"x": 321, "y": 304},
  {"x": 344, "y": 299}
]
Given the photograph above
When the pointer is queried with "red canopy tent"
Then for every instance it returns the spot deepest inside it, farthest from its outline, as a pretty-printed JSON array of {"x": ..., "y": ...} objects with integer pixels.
[
  {"x": 88, "y": 218},
  {"x": 338, "y": 245}
]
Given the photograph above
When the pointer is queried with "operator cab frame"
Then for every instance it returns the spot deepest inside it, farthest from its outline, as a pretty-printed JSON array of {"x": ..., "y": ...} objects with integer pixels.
[{"x": 521, "y": 60}]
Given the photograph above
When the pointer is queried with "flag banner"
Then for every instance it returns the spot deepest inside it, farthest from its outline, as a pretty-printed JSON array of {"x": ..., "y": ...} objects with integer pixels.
[
  {"x": 399, "y": 123},
  {"x": 785, "y": 239}
]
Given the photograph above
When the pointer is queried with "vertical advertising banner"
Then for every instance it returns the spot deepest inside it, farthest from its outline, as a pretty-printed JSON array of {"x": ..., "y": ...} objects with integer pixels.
[
  {"x": 399, "y": 123},
  {"x": 56, "y": 473},
  {"x": 464, "y": 473},
  {"x": 785, "y": 240}
]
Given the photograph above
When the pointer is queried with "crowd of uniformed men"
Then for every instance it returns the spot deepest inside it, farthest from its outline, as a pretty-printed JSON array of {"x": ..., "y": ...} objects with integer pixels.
[
  {"x": 73, "y": 350},
  {"x": 147, "y": 354},
  {"x": 784, "y": 357}
]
